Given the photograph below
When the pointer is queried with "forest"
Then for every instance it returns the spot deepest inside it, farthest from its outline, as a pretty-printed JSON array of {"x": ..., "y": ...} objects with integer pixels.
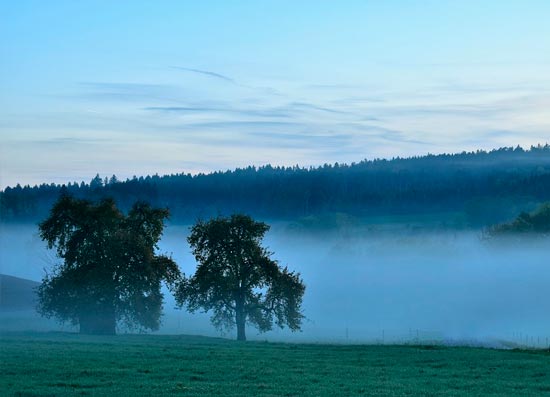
[{"x": 483, "y": 187}]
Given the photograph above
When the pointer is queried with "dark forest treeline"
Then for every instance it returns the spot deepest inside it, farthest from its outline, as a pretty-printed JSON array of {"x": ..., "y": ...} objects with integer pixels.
[{"x": 488, "y": 187}]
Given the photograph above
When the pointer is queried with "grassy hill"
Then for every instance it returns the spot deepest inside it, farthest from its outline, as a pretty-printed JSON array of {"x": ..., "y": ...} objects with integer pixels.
[
  {"x": 144, "y": 365},
  {"x": 17, "y": 294}
]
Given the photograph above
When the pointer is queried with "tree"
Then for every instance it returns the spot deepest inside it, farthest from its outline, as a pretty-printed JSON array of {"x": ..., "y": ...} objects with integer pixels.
[
  {"x": 536, "y": 223},
  {"x": 110, "y": 272},
  {"x": 237, "y": 279}
]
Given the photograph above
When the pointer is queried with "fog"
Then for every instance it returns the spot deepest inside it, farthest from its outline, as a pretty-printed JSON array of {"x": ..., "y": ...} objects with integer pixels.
[{"x": 371, "y": 286}]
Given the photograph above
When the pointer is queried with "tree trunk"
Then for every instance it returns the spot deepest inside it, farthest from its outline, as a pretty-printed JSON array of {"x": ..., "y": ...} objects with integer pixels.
[
  {"x": 240, "y": 319},
  {"x": 240, "y": 330}
]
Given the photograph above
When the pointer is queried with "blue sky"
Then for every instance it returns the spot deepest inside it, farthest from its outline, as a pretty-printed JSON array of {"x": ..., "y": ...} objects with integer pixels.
[{"x": 133, "y": 88}]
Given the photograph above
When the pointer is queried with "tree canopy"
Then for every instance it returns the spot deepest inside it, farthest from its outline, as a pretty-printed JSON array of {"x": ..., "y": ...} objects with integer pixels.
[
  {"x": 237, "y": 280},
  {"x": 109, "y": 273},
  {"x": 536, "y": 223}
]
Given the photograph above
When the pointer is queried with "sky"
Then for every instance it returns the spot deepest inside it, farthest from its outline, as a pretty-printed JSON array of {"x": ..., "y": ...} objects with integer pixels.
[{"x": 136, "y": 88}]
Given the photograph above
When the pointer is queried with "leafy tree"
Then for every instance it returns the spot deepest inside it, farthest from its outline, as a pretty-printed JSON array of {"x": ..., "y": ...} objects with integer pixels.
[
  {"x": 110, "y": 272},
  {"x": 536, "y": 223},
  {"x": 237, "y": 279}
]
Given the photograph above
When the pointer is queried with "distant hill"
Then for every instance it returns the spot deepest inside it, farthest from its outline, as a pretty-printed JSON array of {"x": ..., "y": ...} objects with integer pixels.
[
  {"x": 483, "y": 188},
  {"x": 17, "y": 293}
]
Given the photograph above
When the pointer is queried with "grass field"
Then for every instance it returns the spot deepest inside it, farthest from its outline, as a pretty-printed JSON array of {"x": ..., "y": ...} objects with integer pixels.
[{"x": 59, "y": 364}]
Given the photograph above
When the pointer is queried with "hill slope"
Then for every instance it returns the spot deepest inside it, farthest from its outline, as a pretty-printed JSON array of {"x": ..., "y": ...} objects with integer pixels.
[
  {"x": 17, "y": 293},
  {"x": 486, "y": 187}
]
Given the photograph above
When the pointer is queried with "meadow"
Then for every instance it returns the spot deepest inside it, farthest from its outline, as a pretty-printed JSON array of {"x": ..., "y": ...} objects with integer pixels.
[{"x": 67, "y": 364}]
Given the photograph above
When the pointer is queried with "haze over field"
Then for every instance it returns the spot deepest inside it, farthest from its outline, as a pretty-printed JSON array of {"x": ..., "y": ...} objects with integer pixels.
[
  {"x": 88, "y": 90},
  {"x": 366, "y": 286}
]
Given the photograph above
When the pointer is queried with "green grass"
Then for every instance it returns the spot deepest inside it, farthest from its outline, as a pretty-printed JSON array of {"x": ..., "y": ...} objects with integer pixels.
[{"x": 134, "y": 365}]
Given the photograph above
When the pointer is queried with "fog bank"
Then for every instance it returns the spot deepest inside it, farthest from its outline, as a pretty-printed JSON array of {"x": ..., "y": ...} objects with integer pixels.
[{"x": 371, "y": 287}]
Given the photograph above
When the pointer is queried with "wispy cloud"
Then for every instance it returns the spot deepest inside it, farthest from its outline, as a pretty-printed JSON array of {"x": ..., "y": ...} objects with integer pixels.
[
  {"x": 183, "y": 109},
  {"x": 310, "y": 106},
  {"x": 316, "y": 124},
  {"x": 206, "y": 73},
  {"x": 262, "y": 112},
  {"x": 71, "y": 141},
  {"x": 243, "y": 124},
  {"x": 291, "y": 109},
  {"x": 289, "y": 140}
]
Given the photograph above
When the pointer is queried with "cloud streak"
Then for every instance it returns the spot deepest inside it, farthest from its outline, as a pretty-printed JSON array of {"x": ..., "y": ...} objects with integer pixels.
[
  {"x": 291, "y": 109},
  {"x": 206, "y": 73},
  {"x": 265, "y": 112}
]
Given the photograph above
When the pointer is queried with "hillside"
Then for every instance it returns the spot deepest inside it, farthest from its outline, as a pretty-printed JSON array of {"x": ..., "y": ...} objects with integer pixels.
[
  {"x": 482, "y": 187},
  {"x": 16, "y": 293}
]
